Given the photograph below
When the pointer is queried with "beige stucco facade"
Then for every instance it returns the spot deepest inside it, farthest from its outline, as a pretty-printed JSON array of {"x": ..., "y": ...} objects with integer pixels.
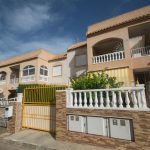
[{"x": 120, "y": 45}]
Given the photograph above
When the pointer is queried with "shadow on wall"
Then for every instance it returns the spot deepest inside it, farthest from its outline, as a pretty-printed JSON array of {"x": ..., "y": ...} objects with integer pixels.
[
  {"x": 52, "y": 120},
  {"x": 74, "y": 69},
  {"x": 12, "y": 94}
]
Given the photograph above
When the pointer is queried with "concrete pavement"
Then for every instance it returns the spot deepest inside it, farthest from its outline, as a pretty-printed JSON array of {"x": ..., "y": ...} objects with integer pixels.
[
  {"x": 44, "y": 141},
  {"x": 5, "y": 145}
]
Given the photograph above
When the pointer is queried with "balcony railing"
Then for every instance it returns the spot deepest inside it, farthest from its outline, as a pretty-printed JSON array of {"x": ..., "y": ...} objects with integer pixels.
[
  {"x": 28, "y": 78},
  {"x": 14, "y": 81},
  {"x": 142, "y": 51},
  {"x": 2, "y": 82},
  {"x": 43, "y": 78},
  {"x": 116, "y": 98},
  {"x": 108, "y": 57},
  {"x": 3, "y": 102}
]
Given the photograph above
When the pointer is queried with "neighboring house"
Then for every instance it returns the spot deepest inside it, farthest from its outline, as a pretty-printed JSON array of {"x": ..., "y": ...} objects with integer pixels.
[
  {"x": 28, "y": 68},
  {"x": 39, "y": 67},
  {"x": 121, "y": 45}
]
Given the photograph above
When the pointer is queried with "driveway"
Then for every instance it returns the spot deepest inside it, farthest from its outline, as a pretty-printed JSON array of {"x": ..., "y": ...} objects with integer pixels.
[
  {"x": 43, "y": 141},
  {"x": 2, "y": 130},
  {"x": 4, "y": 145}
]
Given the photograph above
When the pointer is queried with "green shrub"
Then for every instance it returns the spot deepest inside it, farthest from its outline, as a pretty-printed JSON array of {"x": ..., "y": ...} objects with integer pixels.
[{"x": 95, "y": 81}]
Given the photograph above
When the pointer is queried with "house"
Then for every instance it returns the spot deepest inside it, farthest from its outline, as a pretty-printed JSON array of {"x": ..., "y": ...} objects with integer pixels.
[
  {"x": 37, "y": 67},
  {"x": 120, "y": 45}
]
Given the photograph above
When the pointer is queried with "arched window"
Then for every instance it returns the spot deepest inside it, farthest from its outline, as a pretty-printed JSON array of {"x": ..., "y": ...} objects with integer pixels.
[
  {"x": 28, "y": 70},
  {"x": 43, "y": 70},
  {"x": 3, "y": 75}
]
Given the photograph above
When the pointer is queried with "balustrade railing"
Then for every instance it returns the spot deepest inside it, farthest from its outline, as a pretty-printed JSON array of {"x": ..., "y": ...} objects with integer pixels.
[
  {"x": 3, "y": 102},
  {"x": 12, "y": 99},
  {"x": 142, "y": 51},
  {"x": 28, "y": 78},
  {"x": 2, "y": 82},
  {"x": 116, "y": 98},
  {"x": 108, "y": 57},
  {"x": 43, "y": 78},
  {"x": 14, "y": 81}
]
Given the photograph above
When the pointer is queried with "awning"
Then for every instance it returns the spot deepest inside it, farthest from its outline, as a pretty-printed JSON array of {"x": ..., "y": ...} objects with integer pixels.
[{"x": 122, "y": 75}]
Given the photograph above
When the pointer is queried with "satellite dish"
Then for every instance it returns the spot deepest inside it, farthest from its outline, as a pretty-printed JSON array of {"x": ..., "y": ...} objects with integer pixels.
[{"x": 1, "y": 90}]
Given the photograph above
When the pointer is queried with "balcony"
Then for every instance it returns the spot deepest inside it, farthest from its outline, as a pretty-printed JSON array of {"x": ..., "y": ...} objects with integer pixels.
[
  {"x": 108, "y": 50},
  {"x": 2, "y": 82},
  {"x": 139, "y": 52},
  {"x": 14, "y": 81},
  {"x": 126, "y": 98},
  {"x": 43, "y": 78},
  {"x": 115, "y": 56},
  {"x": 30, "y": 78}
]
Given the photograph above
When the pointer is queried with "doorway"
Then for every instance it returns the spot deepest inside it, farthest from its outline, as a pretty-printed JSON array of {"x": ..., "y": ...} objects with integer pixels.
[{"x": 143, "y": 77}]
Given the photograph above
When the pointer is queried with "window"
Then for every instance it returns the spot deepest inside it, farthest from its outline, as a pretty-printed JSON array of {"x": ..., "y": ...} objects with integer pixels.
[
  {"x": 28, "y": 70},
  {"x": 57, "y": 71},
  {"x": 44, "y": 71},
  {"x": 2, "y": 75},
  {"x": 80, "y": 60}
]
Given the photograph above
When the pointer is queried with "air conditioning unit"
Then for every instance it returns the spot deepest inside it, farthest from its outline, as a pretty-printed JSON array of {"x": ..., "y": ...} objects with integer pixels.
[{"x": 8, "y": 111}]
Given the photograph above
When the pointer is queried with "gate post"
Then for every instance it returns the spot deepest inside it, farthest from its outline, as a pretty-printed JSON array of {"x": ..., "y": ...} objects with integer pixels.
[
  {"x": 19, "y": 97},
  {"x": 14, "y": 123}
]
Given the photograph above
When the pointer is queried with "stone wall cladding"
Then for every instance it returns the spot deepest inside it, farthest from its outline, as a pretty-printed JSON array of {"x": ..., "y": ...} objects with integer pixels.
[
  {"x": 141, "y": 126},
  {"x": 2, "y": 110},
  {"x": 15, "y": 123}
]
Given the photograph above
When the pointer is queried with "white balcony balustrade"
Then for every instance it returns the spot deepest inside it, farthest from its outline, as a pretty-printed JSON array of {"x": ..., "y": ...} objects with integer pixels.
[
  {"x": 3, "y": 102},
  {"x": 108, "y": 57},
  {"x": 43, "y": 78},
  {"x": 2, "y": 82},
  {"x": 116, "y": 98},
  {"x": 14, "y": 81},
  {"x": 12, "y": 99},
  {"x": 28, "y": 78},
  {"x": 142, "y": 51}
]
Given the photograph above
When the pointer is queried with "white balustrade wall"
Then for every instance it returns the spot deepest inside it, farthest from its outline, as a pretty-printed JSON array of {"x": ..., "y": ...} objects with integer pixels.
[
  {"x": 116, "y": 98},
  {"x": 2, "y": 82},
  {"x": 14, "y": 81},
  {"x": 108, "y": 57},
  {"x": 28, "y": 78},
  {"x": 43, "y": 78}
]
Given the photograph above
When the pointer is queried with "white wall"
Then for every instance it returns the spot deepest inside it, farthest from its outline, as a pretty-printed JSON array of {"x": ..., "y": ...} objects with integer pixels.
[{"x": 69, "y": 67}]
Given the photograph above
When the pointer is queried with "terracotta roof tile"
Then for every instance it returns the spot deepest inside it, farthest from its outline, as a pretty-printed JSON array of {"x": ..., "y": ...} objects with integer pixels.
[
  {"x": 124, "y": 18},
  {"x": 24, "y": 57},
  {"x": 77, "y": 45},
  {"x": 58, "y": 57}
]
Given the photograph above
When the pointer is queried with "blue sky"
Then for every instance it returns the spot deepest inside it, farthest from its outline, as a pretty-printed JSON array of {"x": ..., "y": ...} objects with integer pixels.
[{"x": 26, "y": 25}]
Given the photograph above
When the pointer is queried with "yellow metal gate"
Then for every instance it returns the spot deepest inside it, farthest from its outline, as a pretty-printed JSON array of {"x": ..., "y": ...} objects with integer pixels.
[
  {"x": 39, "y": 108},
  {"x": 41, "y": 117}
]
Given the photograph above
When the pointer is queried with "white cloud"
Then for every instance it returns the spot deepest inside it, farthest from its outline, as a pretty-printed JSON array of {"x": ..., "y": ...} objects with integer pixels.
[
  {"x": 54, "y": 45},
  {"x": 30, "y": 17},
  {"x": 20, "y": 25}
]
